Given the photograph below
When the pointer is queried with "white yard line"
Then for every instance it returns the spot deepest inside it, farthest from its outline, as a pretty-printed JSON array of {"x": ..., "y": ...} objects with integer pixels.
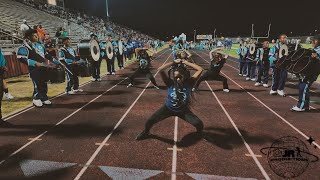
[{"x": 95, "y": 154}]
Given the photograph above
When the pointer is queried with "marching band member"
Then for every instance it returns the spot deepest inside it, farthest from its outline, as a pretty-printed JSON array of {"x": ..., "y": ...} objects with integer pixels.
[
  {"x": 178, "y": 99},
  {"x": 279, "y": 75},
  {"x": 67, "y": 56},
  {"x": 242, "y": 52},
  {"x": 251, "y": 64},
  {"x": 95, "y": 65},
  {"x": 144, "y": 67},
  {"x": 119, "y": 56},
  {"x": 33, "y": 54},
  {"x": 306, "y": 81},
  {"x": 218, "y": 59},
  {"x": 263, "y": 63},
  {"x": 7, "y": 94},
  {"x": 110, "y": 62}
]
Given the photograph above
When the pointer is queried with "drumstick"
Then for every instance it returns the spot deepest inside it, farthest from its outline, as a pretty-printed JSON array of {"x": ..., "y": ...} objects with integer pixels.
[{"x": 66, "y": 68}]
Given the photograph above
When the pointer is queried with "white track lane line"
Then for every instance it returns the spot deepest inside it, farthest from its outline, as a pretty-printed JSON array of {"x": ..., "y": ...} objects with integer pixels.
[
  {"x": 66, "y": 118},
  {"x": 264, "y": 173},
  {"x": 275, "y": 113},
  {"x": 95, "y": 154},
  {"x": 174, "y": 151},
  {"x": 14, "y": 114}
]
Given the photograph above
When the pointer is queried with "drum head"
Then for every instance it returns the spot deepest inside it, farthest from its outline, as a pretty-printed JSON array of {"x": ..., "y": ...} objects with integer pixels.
[
  {"x": 283, "y": 51},
  {"x": 95, "y": 50},
  {"x": 301, "y": 65},
  {"x": 289, "y": 56},
  {"x": 252, "y": 48},
  {"x": 109, "y": 49},
  {"x": 300, "y": 53},
  {"x": 120, "y": 47}
]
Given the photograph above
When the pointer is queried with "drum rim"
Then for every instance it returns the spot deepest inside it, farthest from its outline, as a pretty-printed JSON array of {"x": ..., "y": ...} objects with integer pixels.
[
  {"x": 107, "y": 49},
  {"x": 90, "y": 50}
]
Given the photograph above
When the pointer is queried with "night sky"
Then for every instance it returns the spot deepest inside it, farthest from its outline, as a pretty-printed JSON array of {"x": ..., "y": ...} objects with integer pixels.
[{"x": 165, "y": 18}]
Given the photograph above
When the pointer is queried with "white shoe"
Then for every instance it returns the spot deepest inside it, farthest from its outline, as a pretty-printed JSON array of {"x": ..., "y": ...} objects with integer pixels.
[
  {"x": 240, "y": 74},
  {"x": 265, "y": 85},
  {"x": 244, "y": 75},
  {"x": 37, "y": 103},
  {"x": 77, "y": 90},
  {"x": 113, "y": 73},
  {"x": 297, "y": 109},
  {"x": 247, "y": 79},
  {"x": 257, "y": 84},
  {"x": 99, "y": 79},
  {"x": 70, "y": 92},
  {"x": 253, "y": 79},
  {"x": 129, "y": 85},
  {"x": 281, "y": 93},
  {"x": 272, "y": 92},
  {"x": 8, "y": 96},
  {"x": 93, "y": 79},
  {"x": 193, "y": 89},
  {"x": 226, "y": 90},
  {"x": 47, "y": 102}
]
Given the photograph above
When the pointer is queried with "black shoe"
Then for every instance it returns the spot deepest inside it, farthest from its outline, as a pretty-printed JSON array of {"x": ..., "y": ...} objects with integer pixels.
[
  {"x": 143, "y": 135},
  {"x": 5, "y": 124}
]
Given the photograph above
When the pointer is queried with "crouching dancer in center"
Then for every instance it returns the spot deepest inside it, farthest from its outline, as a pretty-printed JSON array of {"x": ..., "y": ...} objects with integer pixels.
[{"x": 178, "y": 98}]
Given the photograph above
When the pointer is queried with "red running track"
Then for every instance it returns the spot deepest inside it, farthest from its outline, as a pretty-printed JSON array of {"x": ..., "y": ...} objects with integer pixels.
[{"x": 91, "y": 135}]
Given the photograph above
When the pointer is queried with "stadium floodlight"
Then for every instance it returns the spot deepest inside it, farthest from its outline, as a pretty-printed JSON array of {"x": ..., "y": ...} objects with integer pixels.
[
  {"x": 266, "y": 37},
  {"x": 107, "y": 8},
  {"x": 214, "y": 34}
]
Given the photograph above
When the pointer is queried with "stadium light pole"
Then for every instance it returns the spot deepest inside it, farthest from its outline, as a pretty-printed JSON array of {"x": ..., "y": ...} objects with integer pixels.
[
  {"x": 107, "y": 8},
  {"x": 194, "y": 35}
]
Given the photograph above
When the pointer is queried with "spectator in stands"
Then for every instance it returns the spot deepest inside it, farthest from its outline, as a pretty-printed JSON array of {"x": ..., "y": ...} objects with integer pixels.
[
  {"x": 41, "y": 33},
  {"x": 59, "y": 35},
  {"x": 50, "y": 46},
  {"x": 24, "y": 26}
]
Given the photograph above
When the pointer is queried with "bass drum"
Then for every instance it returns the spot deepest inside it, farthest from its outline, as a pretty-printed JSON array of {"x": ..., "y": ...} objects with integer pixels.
[
  {"x": 306, "y": 66},
  {"x": 290, "y": 55},
  {"x": 300, "y": 53},
  {"x": 56, "y": 75},
  {"x": 89, "y": 49}
]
